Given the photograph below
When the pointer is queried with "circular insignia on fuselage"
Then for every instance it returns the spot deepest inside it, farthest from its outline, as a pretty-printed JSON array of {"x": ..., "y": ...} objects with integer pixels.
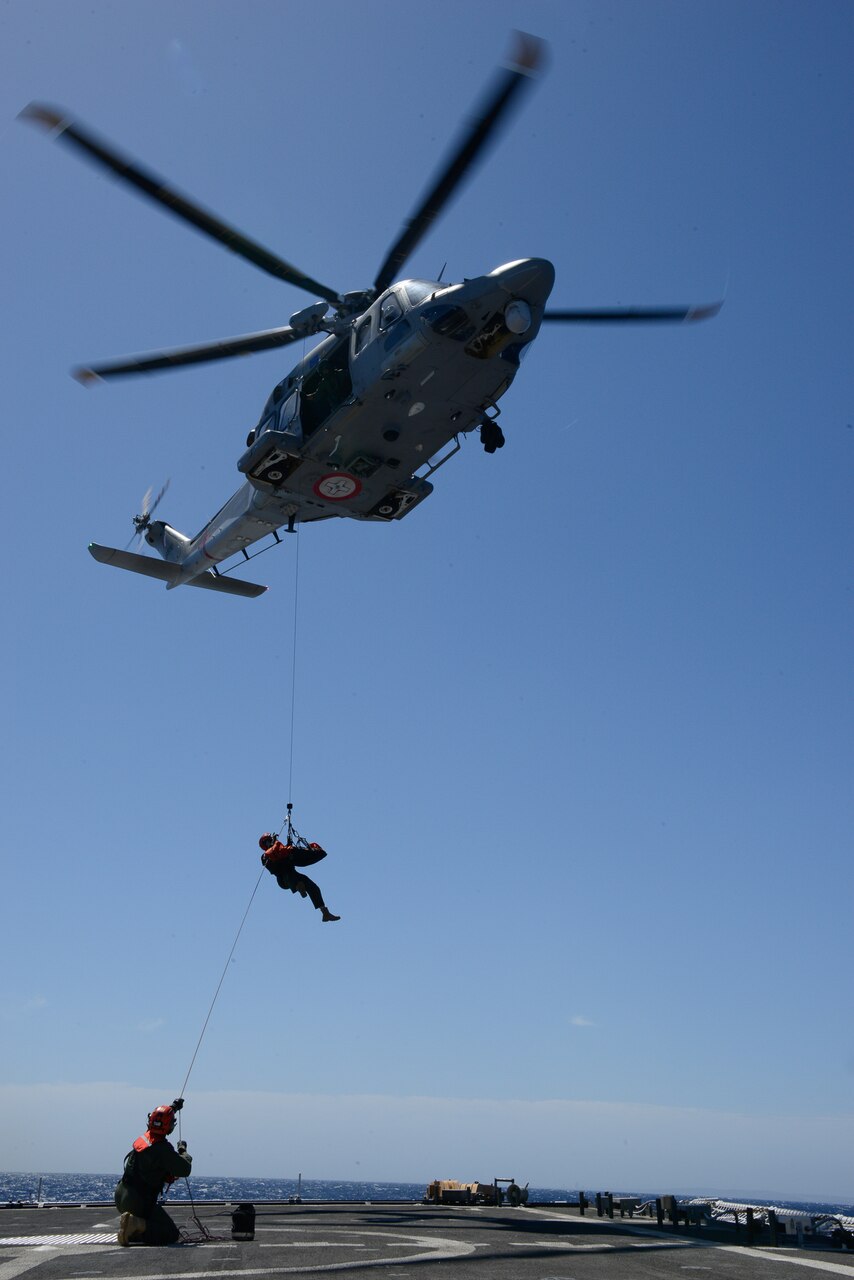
[{"x": 337, "y": 486}]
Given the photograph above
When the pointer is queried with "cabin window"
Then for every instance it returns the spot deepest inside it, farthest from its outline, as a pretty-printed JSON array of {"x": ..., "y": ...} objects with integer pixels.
[
  {"x": 276, "y": 396},
  {"x": 390, "y": 312},
  {"x": 326, "y": 388},
  {"x": 363, "y": 335},
  {"x": 287, "y": 414},
  {"x": 398, "y": 334}
]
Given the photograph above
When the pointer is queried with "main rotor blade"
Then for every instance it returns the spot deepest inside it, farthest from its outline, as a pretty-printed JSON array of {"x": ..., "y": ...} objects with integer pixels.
[
  {"x": 510, "y": 83},
  {"x": 266, "y": 340},
  {"x": 622, "y": 315},
  {"x": 65, "y": 130}
]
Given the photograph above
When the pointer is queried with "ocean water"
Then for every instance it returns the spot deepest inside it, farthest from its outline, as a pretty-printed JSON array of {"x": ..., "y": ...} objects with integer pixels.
[{"x": 84, "y": 1188}]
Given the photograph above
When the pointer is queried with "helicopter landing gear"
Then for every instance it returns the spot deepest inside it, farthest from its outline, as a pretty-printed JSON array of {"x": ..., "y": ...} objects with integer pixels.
[{"x": 491, "y": 435}]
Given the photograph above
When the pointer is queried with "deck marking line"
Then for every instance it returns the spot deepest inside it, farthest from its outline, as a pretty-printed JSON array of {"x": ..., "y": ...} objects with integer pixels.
[
  {"x": 319, "y": 1244},
  {"x": 607, "y": 1223},
  {"x": 30, "y": 1259},
  {"x": 438, "y": 1249},
  {"x": 839, "y": 1268},
  {"x": 83, "y": 1237},
  {"x": 657, "y": 1244},
  {"x": 557, "y": 1244}
]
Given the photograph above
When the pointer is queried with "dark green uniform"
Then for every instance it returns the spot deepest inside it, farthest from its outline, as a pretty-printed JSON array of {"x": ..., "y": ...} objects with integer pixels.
[{"x": 146, "y": 1174}]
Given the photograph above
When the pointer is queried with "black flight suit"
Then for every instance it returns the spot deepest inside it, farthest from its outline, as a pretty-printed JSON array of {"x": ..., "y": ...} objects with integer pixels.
[
  {"x": 282, "y": 861},
  {"x": 146, "y": 1173}
]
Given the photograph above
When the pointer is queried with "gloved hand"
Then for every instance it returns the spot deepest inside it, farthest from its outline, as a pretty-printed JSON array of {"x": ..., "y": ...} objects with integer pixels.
[
  {"x": 177, "y": 1104},
  {"x": 182, "y": 1147}
]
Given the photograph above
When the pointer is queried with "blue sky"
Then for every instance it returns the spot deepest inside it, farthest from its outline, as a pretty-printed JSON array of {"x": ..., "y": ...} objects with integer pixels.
[{"x": 576, "y": 732}]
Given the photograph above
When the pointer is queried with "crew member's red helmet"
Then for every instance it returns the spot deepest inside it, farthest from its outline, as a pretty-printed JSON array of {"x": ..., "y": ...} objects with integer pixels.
[
  {"x": 267, "y": 841},
  {"x": 162, "y": 1120}
]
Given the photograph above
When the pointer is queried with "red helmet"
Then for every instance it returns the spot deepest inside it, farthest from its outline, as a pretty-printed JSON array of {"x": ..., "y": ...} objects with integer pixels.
[
  {"x": 162, "y": 1120},
  {"x": 267, "y": 840}
]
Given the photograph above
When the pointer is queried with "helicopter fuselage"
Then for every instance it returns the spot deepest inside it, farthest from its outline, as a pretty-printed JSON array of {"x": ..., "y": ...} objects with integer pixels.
[{"x": 359, "y": 425}]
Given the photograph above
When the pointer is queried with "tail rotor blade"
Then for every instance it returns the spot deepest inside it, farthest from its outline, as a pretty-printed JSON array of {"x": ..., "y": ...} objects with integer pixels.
[{"x": 156, "y": 501}]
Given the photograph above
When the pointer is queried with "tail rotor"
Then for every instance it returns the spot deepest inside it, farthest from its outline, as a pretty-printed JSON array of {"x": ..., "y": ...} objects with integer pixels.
[{"x": 142, "y": 521}]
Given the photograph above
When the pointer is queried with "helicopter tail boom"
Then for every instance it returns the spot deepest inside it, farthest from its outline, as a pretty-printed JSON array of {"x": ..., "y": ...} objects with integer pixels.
[{"x": 169, "y": 573}]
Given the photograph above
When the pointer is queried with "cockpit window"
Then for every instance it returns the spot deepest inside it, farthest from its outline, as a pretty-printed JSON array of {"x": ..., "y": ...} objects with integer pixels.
[
  {"x": 418, "y": 290},
  {"x": 390, "y": 312}
]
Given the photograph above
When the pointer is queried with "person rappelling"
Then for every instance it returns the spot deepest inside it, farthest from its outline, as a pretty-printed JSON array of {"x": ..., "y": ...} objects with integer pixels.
[
  {"x": 284, "y": 861},
  {"x": 151, "y": 1164}
]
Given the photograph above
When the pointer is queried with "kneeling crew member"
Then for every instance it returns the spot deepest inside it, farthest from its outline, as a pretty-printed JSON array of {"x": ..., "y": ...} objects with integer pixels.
[
  {"x": 150, "y": 1165},
  {"x": 284, "y": 860}
]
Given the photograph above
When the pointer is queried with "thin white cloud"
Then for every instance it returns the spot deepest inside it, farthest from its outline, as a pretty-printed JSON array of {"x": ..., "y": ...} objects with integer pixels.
[
  {"x": 152, "y": 1024},
  {"x": 36, "y": 1002},
  {"x": 552, "y": 1142},
  {"x": 579, "y": 1021}
]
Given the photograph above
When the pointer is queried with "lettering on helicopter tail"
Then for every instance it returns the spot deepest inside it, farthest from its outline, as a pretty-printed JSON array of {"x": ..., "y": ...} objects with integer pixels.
[
  {"x": 394, "y": 504},
  {"x": 275, "y": 467},
  {"x": 490, "y": 340},
  {"x": 337, "y": 486}
]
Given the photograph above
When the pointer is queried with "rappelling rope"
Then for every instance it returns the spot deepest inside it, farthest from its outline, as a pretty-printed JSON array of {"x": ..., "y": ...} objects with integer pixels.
[
  {"x": 219, "y": 985},
  {"x": 201, "y": 1235}
]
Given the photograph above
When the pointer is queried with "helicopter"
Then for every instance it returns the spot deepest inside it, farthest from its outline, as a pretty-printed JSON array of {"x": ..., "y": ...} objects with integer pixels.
[{"x": 406, "y": 368}]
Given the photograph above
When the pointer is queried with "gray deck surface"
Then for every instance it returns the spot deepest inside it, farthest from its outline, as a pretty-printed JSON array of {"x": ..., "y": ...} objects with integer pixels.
[{"x": 394, "y": 1240}]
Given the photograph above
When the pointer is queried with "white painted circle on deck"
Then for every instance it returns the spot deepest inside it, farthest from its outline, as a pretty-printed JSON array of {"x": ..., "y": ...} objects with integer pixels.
[{"x": 427, "y": 1249}]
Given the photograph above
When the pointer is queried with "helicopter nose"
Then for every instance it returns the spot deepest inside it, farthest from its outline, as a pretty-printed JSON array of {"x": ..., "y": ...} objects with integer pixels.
[{"x": 528, "y": 278}]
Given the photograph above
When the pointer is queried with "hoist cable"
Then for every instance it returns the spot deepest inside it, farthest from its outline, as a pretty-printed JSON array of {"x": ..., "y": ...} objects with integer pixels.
[
  {"x": 294, "y": 673},
  {"x": 258, "y": 881},
  {"x": 219, "y": 985}
]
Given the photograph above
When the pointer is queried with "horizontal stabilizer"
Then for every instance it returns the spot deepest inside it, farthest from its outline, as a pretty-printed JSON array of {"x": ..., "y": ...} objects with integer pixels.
[
  {"x": 231, "y": 586},
  {"x": 152, "y": 568}
]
